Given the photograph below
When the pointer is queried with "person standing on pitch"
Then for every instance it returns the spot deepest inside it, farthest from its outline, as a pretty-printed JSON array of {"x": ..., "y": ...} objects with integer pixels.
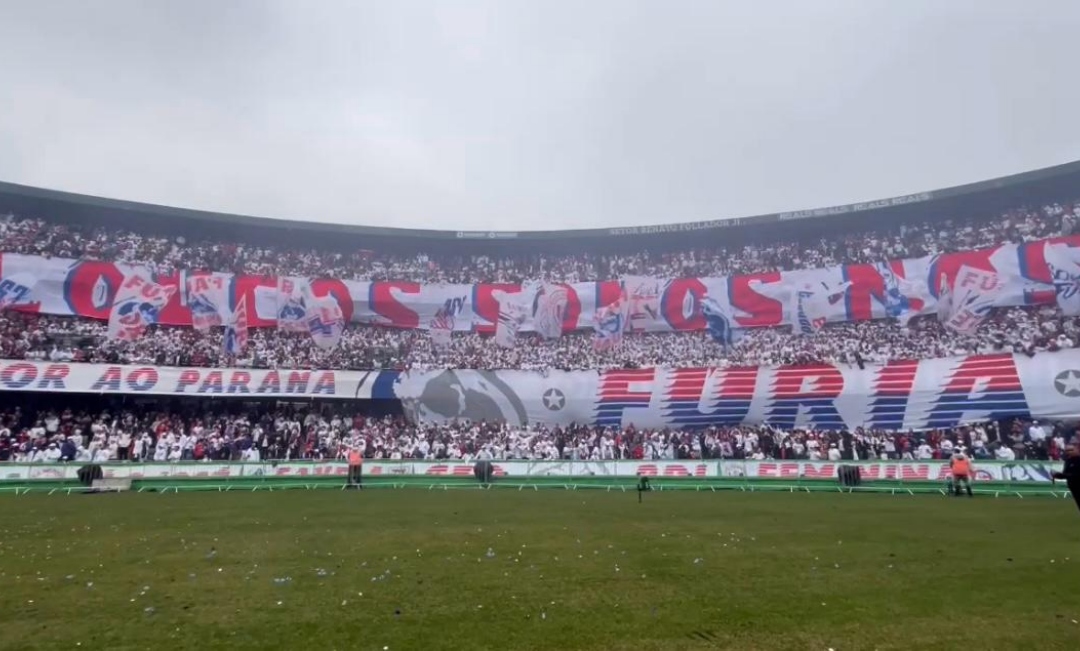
[
  {"x": 1071, "y": 472},
  {"x": 356, "y": 465},
  {"x": 960, "y": 466}
]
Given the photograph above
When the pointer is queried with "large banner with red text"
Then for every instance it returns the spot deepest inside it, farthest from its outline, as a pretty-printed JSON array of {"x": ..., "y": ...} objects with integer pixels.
[
  {"x": 904, "y": 395},
  {"x": 1018, "y": 275}
]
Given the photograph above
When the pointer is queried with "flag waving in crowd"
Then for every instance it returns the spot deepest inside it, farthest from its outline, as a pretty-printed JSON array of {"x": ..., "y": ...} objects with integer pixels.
[
  {"x": 441, "y": 328},
  {"x": 15, "y": 290},
  {"x": 611, "y": 324},
  {"x": 326, "y": 321},
  {"x": 643, "y": 293},
  {"x": 511, "y": 316},
  {"x": 966, "y": 302},
  {"x": 549, "y": 308},
  {"x": 236, "y": 329},
  {"x": 720, "y": 323},
  {"x": 294, "y": 304},
  {"x": 810, "y": 305},
  {"x": 207, "y": 296},
  {"x": 1064, "y": 264},
  {"x": 136, "y": 306},
  {"x": 897, "y": 294}
]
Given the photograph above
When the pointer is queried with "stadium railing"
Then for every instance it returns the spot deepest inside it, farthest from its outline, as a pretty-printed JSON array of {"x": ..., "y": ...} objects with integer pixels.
[{"x": 1019, "y": 478}]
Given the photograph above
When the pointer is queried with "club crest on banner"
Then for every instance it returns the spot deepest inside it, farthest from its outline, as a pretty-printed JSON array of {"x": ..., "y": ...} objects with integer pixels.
[
  {"x": 137, "y": 305},
  {"x": 549, "y": 309},
  {"x": 327, "y": 322},
  {"x": 207, "y": 296},
  {"x": 294, "y": 302}
]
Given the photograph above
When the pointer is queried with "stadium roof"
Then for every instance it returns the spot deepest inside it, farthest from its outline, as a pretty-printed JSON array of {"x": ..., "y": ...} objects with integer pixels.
[{"x": 1009, "y": 191}]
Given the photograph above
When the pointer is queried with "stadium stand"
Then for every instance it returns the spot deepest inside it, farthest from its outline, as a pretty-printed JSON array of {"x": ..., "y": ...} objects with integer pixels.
[
  {"x": 200, "y": 432},
  {"x": 1025, "y": 209}
]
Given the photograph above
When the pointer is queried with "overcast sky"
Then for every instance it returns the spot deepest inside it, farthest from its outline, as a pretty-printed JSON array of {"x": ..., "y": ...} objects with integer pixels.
[{"x": 500, "y": 114}]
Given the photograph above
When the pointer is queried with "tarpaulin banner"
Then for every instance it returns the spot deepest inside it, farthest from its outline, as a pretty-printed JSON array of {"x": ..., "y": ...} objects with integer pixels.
[
  {"x": 932, "y": 471},
  {"x": 60, "y": 377},
  {"x": 902, "y": 395},
  {"x": 900, "y": 289}
]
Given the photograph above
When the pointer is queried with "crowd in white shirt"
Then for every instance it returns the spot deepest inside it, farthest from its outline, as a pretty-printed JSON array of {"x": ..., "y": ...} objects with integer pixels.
[{"x": 204, "y": 432}]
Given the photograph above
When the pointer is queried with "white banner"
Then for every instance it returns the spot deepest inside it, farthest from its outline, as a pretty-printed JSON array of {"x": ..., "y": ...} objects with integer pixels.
[
  {"x": 176, "y": 381},
  {"x": 902, "y": 395},
  {"x": 900, "y": 289}
]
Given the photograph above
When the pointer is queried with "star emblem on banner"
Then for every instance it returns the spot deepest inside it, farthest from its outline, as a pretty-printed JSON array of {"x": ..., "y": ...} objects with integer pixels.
[
  {"x": 554, "y": 399},
  {"x": 1067, "y": 383}
]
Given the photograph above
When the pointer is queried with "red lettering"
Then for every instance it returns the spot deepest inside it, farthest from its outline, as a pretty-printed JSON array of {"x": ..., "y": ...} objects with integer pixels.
[
  {"x": 866, "y": 296},
  {"x": 246, "y": 286},
  {"x": 142, "y": 379},
  {"x": 572, "y": 310},
  {"x": 871, "y": 471},
  {"x": 816, "y": 471},
  {"x": 108, "y": 381},
  {"x": 607, "y": 292},
  {"x": 621, "y": 390},
  {"x": 337, "y": 289},
  {"x": 18, "y": 375},
  {"x": 680, "y": 304},
  {"x": 789, "y": 470},
  {"x": 763, "y": 311},
  {"x": 384, "y": 302},
  {"x": 239, "y": 381},
  {"x": 54, "y": 375},
  {"x": 188, "y": 378},
  {"x": 90, "y": 288},
  {"x": 298, "y": 382},
  {"x": 212, "y": 383}
]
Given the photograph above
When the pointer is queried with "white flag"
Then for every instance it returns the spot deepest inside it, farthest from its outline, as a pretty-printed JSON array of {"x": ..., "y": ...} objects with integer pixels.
[
  {"x": 294, "y": 304},
  {"x": 549, "y": 309},
  {"x": 326, "y": 321},
  {"x": 511, "y": 316},
  {"x": 1064, "y": 263},
  {"x": 136, "y": 306},
  {"x": 809, "y": 305},
  {"x": 207, "y": 296},
  {"x": 968, "y": 302},
  {"x": 441, "y": 328},
  {"x": 643, "y": 294}
]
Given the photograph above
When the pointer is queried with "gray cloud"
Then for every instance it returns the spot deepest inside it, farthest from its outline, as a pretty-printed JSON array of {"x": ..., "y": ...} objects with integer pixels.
[{"x": 524, "y": 115}]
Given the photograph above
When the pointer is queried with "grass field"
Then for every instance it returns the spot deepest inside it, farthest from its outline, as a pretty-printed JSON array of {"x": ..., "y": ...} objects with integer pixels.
[{"x": 410, "y": 569}]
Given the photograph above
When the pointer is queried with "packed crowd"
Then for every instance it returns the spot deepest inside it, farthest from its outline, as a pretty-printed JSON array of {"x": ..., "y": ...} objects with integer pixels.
[
  {"x": 1018, "y": 330},
  {"x": 39, "y": 337},
  {"x": 880, "y": 241},
  {"x": 198, "y": 434}
]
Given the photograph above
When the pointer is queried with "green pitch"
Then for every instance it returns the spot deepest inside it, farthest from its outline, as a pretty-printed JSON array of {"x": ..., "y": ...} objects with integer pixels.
[{"x": 410, "y": 569}]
